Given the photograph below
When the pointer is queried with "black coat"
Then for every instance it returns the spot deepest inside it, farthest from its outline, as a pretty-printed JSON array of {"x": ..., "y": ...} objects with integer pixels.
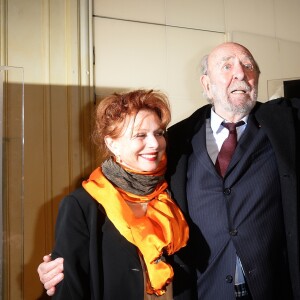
[
  {"x": 91, "y": 247},
  {"x": 280, "y": 120}
]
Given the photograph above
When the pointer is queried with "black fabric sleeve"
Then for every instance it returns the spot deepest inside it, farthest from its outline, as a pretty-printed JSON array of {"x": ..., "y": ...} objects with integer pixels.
[{"x": 72, "y": 243}]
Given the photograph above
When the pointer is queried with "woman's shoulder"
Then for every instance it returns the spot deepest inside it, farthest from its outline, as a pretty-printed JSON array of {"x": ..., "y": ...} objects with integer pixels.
[
  {"x": 81, "y": 199},
  {"x": 80, "y": 206},
  {"x": 81, "y": 194}
]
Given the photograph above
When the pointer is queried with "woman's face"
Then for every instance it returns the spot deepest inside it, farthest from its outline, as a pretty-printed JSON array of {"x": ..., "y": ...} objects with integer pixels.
[{"x": 142, "y": 144}]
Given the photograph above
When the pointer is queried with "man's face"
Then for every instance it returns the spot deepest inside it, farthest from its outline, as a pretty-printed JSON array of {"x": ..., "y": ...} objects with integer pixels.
[{"x": 232, "y": 80}]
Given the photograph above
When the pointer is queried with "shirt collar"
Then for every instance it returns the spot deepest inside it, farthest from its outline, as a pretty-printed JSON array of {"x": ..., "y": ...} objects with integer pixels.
[{"x": 216, "y": 121}]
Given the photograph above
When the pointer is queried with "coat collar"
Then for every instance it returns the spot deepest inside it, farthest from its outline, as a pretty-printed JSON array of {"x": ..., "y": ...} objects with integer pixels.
[{"x": 280, "y": 129}]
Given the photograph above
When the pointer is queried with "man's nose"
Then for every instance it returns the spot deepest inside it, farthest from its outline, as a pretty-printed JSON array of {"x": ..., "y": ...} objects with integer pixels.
[{"x": 239, "y": 71}]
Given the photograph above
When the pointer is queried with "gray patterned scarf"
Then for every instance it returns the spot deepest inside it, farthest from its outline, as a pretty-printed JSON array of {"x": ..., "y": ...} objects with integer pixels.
[{"x": 137, "y": 184}]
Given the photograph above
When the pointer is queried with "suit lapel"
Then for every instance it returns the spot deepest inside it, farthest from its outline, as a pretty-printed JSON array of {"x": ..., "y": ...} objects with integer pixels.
[
  {"x": 246, "y": 142},
  {"x": 200, "y": 150}
]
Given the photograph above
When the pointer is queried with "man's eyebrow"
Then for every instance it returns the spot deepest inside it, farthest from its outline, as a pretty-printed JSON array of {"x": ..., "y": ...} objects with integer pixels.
[
  {"x": 250, "y": 58},
  {"x": 224, "y": 59},
  {"x": 227, "y": 58}
]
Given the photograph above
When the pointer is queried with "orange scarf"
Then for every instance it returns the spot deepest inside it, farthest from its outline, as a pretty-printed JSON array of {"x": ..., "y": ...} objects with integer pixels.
[{"x": 163, "y": 228}]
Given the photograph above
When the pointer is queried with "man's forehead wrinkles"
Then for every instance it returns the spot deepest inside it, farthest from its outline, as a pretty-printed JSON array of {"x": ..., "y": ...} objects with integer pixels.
[
  {"x": 226, "y": 58},
  {"x": 239, "y": 57}
]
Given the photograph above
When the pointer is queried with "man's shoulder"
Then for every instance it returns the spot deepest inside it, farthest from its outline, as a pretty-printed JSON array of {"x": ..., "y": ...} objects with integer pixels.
[
  {"x": 279, "y": 106},
  {"x": 283, "y": 102},
  {"x": 190, "y": 121}
]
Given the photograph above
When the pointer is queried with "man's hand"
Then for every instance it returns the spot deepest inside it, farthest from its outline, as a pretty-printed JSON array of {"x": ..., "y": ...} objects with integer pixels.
[{"x": 51, "y": 273}]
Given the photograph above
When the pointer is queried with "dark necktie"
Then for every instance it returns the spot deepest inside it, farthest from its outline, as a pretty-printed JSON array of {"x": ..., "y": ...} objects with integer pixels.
[{"x": 227, "y": 148}]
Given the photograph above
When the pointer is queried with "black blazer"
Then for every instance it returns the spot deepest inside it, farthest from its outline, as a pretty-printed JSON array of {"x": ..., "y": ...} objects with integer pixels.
[
  {"x": 280, "y": 119},
  {"x": 97, "y": 259}
]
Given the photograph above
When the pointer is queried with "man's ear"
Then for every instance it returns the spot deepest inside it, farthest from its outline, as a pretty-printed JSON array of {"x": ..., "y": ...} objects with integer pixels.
[
  {"x": 205, "y": 82},
  {"x": 112, "y": 145}
]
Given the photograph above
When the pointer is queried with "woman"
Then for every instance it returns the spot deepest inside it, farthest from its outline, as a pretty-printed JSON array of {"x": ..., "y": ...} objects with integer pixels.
[{"x": 114, "y": 231}]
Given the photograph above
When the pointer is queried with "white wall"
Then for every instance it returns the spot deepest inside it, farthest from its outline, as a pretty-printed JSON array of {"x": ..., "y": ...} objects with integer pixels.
[{"x": 159, "y": 44}]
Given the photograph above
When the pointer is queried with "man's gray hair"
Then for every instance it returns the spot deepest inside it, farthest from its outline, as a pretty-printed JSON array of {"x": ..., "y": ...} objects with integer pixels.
[{"x": 204, "y": 65}]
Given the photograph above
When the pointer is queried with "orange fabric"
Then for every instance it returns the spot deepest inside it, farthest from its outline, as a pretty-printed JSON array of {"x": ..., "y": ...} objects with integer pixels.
[{"x": 163, "y": 228}]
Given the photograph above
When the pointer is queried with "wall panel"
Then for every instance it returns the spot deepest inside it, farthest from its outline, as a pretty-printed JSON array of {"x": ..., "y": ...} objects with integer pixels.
[
  {"x": 205, "y": 15},
  {"x": 257, "y": 17},
  {"x": 148, "y": 11},
  {"x": 286, "y": 20},
  {"x": 128, "y": 55},
  {"x": 289, "y": 53},
  {"x": 46, "y": 39},
  {"x": 185, "y": 49}
]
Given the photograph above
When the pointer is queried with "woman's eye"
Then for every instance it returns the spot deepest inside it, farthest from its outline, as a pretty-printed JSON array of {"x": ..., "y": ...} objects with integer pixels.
[
  {"x": 144, "y": 135},
  {"x": 160, "y": 133}
]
